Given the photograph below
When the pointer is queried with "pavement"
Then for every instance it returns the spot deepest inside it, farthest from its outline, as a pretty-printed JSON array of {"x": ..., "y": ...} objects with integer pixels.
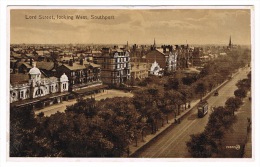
[
  {"x": 61, "y": 107},
  {"x": 235, "y": 139},
  {"x": 248, "y": 145}
]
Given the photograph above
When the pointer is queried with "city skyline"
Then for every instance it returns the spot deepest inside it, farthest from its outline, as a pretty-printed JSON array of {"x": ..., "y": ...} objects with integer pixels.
[{"x": 170, "y": 26}]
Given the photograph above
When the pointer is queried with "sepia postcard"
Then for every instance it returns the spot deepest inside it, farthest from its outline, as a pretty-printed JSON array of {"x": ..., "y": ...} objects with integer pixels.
[{"x": 120, "y": 82}]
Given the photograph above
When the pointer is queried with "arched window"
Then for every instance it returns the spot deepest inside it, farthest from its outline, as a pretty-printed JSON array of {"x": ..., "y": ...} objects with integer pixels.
[{"x": 38, "y": 92}]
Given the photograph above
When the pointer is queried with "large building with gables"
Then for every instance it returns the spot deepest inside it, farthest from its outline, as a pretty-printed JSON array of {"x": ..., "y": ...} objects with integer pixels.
[{"x": 37, "y": 91}]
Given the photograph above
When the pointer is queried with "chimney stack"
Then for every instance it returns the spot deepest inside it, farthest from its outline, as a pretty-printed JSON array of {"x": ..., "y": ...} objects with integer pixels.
[
  {"x": 81, "y": 62},
  {"x": 31, "y": 62},
  {"x": 105, "y": 50},
  {"x": 170, "y": 48},
  {"x": 164, "y": 48},
  {"x": 71, "y": 62}
]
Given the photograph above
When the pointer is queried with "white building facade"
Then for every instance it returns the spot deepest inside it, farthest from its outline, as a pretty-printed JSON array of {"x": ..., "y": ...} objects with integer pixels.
[{"x": 38, "y": 87}]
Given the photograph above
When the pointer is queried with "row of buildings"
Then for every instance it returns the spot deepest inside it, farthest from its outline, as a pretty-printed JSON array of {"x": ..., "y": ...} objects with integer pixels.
[{"x": 43, "y": 75}]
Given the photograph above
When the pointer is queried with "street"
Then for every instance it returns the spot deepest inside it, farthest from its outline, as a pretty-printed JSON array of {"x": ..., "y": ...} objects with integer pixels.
[{"x": 173, "y": 143}]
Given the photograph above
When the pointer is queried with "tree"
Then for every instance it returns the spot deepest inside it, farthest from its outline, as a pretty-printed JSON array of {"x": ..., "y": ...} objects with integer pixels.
[
  {"x": 166, "y": 106},
  {"x": 233, "y": 104},
  {"x": 147, "y": 102},
  {"x": 186, "y": 93},
  {"x": 201, "y": 146},
  {"x": 211, "y": 80},
  {"x": 244, "y": 84},
  {"x": 201, "y": 89},
  {"x": 87, "y": 107},
  {"x": 176, "y": 99},
  {"x": 220, "y": 120},
  {"x": 74, "y": 135},
  {"x": 172, "y": 83},
  {"x": 122, "y": 122},
  {"x": 188, "y": 80},
  {"x": 25, "y": 140},
  {"x": 208, "y": 143},
  {"x": 240, "y": 93}
]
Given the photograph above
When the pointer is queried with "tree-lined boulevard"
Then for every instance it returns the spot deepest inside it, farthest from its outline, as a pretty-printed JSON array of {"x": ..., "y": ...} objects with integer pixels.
[{"x": 173, "y": 143}]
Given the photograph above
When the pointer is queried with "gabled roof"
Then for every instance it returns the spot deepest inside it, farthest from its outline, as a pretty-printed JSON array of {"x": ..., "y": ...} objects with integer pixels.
[
  {"x": 160, "y": 51},
  {"x": 27, "y": 65},
  {"x": 45, "y": 65},
  {"x": 29, "y": 55}
]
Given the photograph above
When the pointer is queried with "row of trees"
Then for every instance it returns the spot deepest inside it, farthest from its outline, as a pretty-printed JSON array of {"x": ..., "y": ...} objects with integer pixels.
[
  {"x": 86, "y": 129},
  {"x": 208, "y": 143}
]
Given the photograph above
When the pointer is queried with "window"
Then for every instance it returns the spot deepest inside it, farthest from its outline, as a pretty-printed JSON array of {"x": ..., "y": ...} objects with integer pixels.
[
  {"x": 21, "y": 94},
  {"x": 64, "y": 86},
  {"x": 13, "y": 94},
  {"x": 38, "y": 92}
]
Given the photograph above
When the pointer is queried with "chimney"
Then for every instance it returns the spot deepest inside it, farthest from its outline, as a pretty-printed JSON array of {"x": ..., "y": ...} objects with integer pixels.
[
  {"x": 81, "y": 62},
  {"x": 105, "y": 50},
  {"x": 71, "y": 62},
  {"x": 170, "y": 48},
  {"x": 164, "y": 49},
  {"x": 31, "y": 62}
]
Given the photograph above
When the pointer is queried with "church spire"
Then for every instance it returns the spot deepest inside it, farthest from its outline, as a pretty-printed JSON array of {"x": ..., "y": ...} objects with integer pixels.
[{"x": 230, "y": 43}]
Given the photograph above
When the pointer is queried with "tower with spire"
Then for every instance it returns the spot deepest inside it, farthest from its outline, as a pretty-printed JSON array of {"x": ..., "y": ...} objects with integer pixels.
[
  {"x": 127, "y": 47},
  {"x": 153, "y": 47},
  {"x": 230, "y": 43}
]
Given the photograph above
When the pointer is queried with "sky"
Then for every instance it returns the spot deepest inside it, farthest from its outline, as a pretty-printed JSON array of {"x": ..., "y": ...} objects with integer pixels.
[{"x": 140, "y": 26}]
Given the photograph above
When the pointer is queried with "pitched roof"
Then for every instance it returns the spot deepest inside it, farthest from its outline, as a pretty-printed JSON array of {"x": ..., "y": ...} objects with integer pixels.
[
  {"x": 19, "y": 78},
  {"x": 160, "y": 51},
  {"x": 93, "y": 65},
  {"x": 45, "y": 65},
  {"x": 27, "y": 65},
  {"x": 78, "y": 66}
]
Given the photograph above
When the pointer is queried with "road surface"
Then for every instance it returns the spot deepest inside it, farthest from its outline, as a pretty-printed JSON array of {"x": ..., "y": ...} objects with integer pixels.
[{"x": 173, "y": 143}]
